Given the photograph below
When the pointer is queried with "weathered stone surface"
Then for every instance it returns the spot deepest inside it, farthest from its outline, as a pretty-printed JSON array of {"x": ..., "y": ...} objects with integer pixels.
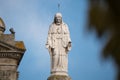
[
  {"x": 59, "y": 77},
  {"x": 11, "y": 53}
]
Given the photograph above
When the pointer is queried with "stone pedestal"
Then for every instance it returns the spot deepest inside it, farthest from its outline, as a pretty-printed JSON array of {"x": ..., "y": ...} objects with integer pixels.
[{"x": 59, "y": 77}]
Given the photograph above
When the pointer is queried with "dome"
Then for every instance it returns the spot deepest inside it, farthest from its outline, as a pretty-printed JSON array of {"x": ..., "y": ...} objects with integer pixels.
[{"x": 2, "y": 25}]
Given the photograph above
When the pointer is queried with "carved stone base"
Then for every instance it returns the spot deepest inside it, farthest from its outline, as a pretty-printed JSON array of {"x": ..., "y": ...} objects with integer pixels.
[{"x": 59, "y": 77}]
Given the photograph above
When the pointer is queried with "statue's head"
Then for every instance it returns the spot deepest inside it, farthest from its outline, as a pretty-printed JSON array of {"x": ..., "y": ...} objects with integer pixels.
[{"x": 58, "y": 18}]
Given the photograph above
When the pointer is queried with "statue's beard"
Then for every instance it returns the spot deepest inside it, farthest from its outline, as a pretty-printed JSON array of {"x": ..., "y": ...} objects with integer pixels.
[{"x": 58, "y": 23}]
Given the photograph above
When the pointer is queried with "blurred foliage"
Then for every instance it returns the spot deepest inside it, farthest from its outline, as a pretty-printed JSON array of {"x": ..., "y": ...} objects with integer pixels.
[{"x": 104, "y": 16}]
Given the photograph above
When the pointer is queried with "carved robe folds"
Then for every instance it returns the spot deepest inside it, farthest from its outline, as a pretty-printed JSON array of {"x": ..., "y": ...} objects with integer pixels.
[{"x": 58, "y": 44}]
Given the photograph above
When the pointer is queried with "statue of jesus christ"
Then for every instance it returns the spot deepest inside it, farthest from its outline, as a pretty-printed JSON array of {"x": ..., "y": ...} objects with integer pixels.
[{"x": 58, "y": 45}]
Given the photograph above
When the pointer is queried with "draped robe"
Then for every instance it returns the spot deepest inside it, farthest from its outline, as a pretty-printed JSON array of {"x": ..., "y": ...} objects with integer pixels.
[{"x": 58, "y": 44}]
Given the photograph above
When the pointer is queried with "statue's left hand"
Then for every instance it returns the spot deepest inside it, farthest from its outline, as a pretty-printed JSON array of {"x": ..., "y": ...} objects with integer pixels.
[{"x": 69, "y": 46}]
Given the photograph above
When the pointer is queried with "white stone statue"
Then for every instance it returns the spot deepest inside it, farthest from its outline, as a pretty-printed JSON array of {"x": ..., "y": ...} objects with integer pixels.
[{"x": 58, "y": 44}]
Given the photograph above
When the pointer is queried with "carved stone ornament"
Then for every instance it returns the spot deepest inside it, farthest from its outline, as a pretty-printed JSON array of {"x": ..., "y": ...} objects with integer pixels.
[{"x": 7, "y": 51}]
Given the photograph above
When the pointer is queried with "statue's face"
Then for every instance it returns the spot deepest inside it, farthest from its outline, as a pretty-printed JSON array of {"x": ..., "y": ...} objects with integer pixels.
[{"x": 58, "y": 20}]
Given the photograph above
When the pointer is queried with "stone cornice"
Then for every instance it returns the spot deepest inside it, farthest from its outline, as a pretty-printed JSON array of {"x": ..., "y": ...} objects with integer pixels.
[{"x": 12, "y": 46}]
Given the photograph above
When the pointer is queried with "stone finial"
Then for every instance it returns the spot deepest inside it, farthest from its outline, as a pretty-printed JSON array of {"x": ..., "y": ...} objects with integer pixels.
[
  {"x": 12, "y": 31},
  {"x": 2, "y": 26}
]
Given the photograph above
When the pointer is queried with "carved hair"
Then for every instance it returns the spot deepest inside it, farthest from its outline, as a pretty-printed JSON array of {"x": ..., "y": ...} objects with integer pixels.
[{"x": 57, "y": 15}]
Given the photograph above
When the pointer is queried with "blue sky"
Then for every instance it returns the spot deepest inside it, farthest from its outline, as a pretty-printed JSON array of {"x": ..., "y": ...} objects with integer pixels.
[{"x": 31, "y": 19}]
